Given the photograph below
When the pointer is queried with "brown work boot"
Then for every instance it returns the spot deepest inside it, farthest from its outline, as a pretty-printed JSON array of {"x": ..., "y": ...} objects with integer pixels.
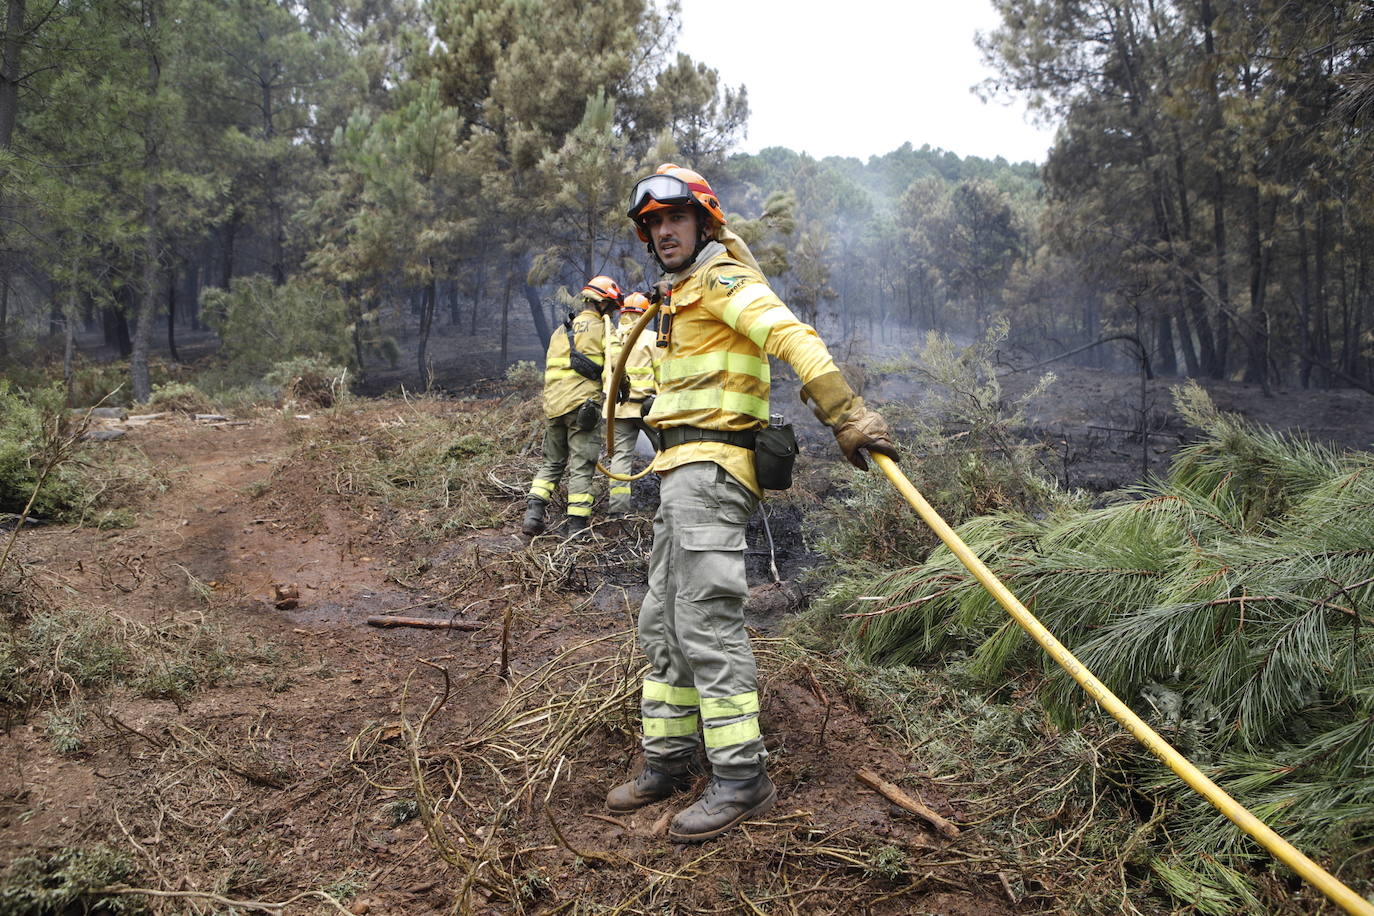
[
  {"x": 725, "y": 803},
  {"x": 534, "y": 518},
  {"x": 649, "y": 785}
]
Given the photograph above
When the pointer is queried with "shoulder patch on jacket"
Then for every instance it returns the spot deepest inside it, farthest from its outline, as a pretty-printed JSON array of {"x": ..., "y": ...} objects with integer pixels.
[{"x": 731, "y": 282}]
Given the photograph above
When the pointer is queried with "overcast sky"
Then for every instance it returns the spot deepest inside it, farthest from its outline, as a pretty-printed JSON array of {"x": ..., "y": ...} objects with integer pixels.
[{"x": 860, "y": 77}]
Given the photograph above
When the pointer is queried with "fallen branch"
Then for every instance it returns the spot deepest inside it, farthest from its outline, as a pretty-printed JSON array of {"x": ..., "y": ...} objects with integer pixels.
[
  {"x": 904, "y": 801},
  {"x": 431, "y": 623},
  {"x": 259, "y": 905}
]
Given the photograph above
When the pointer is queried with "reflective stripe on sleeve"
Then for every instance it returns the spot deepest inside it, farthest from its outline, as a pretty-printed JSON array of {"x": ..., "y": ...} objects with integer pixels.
[
  {"x": 727, "y": 707},
  {"x": 741, "y": 300},
  {"x": 675, "y": 727},
  {"x": 720, "y": 361},
  {"x": 763, "y": 325},
  {"x": 732, "y": 734},
  {"x": 667, "y": 693},
  {"x": 676, "y": 401}
]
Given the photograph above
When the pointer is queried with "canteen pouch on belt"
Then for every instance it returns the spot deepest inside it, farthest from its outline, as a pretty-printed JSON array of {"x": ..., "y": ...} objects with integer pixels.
[
  {"x": 775, "y": 451},
  {"x": 588, "y": 415}
]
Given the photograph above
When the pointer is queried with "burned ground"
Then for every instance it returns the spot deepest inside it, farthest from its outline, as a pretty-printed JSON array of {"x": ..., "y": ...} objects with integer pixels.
[{"x": 415, "y": 771}]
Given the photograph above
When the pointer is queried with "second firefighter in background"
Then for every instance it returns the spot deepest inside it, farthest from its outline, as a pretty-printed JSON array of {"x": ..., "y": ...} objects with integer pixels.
[
  {"x": 573, "y": 369},
  {"x": 640, "y": 367}
]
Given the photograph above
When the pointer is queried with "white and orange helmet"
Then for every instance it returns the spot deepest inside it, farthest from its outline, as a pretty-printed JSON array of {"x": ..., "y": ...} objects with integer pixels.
[
  {"x": 604, "y": 288},
  {"x": 670, "y": 186}
]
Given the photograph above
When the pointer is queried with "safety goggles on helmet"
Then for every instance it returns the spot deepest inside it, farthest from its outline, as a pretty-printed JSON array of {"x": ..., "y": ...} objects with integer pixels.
[{"x": 664, "y": 189}]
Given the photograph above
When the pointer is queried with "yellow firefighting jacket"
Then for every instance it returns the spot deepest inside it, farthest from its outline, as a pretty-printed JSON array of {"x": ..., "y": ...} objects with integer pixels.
[
  {"x": 564, "y": 388},
  {"x": 725, "y": 323},
  {"x": 640, "y": 366}
]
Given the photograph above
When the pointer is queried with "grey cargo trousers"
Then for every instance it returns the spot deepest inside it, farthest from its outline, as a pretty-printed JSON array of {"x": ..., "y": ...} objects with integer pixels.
[{"x": 691, "y": 627}]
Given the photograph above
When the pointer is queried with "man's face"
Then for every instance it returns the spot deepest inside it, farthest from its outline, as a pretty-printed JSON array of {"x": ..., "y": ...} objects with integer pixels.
[{"x": 673, "y": 233}]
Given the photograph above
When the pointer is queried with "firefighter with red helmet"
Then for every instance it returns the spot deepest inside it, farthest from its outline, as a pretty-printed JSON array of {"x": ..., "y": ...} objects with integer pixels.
[
  {"x": 640, "y": 366},
  {"x": 719, "y": 325},
  {"x": 573, "y": 369}
]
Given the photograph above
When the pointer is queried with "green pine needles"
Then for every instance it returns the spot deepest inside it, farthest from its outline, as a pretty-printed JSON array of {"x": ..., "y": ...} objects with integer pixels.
[{"x": 1231, "y": 604}]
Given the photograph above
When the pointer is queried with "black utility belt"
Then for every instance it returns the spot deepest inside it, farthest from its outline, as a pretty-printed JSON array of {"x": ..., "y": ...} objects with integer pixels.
[
  {"x": 681, "y": 435},
  {"x": 774, "y": 448}
]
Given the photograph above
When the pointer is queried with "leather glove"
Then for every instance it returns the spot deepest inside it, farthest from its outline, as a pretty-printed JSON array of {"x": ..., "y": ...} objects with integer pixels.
[
  {"x": 856, "y": 427},
  {"x": 862, "y": 430},
  {"x": 623, "y": 394}
]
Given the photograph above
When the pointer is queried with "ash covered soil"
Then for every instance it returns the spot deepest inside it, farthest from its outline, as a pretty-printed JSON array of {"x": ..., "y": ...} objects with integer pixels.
[{"x": 416, "y": 771}]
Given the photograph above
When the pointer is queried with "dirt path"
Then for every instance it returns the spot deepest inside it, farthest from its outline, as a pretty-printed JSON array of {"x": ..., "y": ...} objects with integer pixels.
[{"x": 397, "y": 769}]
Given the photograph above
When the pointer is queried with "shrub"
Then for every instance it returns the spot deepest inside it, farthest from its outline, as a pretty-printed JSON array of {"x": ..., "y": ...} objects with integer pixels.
[
  {"x": 310, "y": 381},
  {"x": 31, "y": 426},
  {"x": 524, "y": 376},
  {"x": 179, "y": 396},
  {"x": 261, "y": 324}
]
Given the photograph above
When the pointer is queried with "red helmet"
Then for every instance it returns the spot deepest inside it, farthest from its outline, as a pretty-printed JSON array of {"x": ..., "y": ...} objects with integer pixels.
[
  {"x": 670, "y": 186},
  {"x": 635, "y": 302},
  {"x": 603, "y": 287}
]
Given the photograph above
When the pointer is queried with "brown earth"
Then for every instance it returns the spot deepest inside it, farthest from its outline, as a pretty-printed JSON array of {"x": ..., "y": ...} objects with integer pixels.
[
  {"x": 302, "y": 769},
  {"x": 414, "y": 771}
]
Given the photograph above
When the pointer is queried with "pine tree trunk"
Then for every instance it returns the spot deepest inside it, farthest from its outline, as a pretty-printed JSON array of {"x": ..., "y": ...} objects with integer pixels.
[
  {"x": 427, "y": 303},
  {"x": 4, "y": 313},
  {"x": 143, "y": 330},
  {"x": 1305, "y": 349},
  {"x": 69, "y": 340},
  {"x": 1167, "y": 360},
  {"x": 505, "y": 322},
  {"x": 10, "y": 73},
  {"x": 541, "y": 323},
  {"x": 230, "y": 231},
  {"x": 172, "y": 315}
]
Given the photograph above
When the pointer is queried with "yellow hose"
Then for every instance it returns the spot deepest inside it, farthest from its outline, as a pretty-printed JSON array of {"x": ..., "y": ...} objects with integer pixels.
[
  {"x": 1313, "y": 873},
  {"x": 611, "y": 394}
]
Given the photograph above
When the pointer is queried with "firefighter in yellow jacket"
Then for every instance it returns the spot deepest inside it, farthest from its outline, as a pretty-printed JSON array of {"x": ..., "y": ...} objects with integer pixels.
[
  {"x": 639, "y": 371},
  {"x": 572, "y": 393},
  {"x": 720, "y": 324}
]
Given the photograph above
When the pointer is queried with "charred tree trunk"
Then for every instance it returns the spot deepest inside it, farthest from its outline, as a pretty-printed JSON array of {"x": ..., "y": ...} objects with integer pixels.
[
  {"x": 1305, "y": 349},
  {"x": 427, "y": 302},
  {"x": 10, "y": 73},
  {"x": 1223, "y": 330},
  {"x": 541, "y": 323},
  {"x": 116, "y": 323},
  {"x": 1167, "y": 360},
  {"x": 230, "y": 236},
  {"x": 478, "y": 293},
  {"x": 4, "y": 313},
  {"x": 172, "y": 315},
  {"x": 505, "y": 321}
]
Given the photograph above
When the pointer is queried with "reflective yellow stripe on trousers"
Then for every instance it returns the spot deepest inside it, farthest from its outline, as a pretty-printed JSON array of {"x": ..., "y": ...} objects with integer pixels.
[
  {"x": 676, "y": 727},
  {"x": 667, "y": 693}
]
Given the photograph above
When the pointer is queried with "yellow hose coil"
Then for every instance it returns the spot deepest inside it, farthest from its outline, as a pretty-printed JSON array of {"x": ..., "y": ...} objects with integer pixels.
[
  {"x": 609, "y": 408},
  {"x": 1313, "y": 873}
]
